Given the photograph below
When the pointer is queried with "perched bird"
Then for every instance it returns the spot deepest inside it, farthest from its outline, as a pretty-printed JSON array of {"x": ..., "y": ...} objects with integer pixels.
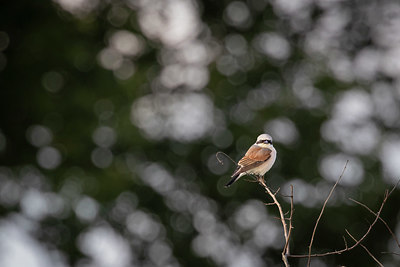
[{"x": 258, "y": 159}]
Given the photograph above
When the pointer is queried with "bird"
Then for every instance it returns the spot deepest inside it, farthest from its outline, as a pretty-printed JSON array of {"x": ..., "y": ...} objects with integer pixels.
[{"x": 258, "y": 159}]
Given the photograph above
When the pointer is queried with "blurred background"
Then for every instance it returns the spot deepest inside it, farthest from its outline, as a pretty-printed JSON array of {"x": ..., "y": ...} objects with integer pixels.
[{"x": 112, "y": 112}]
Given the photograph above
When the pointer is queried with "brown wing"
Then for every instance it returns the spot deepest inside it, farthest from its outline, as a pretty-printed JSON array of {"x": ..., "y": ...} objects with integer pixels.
[{"x": 254, "y": 157}]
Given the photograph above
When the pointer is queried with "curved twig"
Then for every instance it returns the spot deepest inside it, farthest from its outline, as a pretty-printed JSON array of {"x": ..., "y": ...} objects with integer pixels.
[{"x": 220, "y": 161}]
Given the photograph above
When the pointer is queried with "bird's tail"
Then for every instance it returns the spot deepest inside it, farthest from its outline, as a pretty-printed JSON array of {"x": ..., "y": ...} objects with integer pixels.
[{"x": 234, "y": 178}]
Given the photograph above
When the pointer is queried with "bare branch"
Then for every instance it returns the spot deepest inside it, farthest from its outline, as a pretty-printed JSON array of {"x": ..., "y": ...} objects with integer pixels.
[
  {"x": 261, "y": 181},
  {"x": 345, "y": 242},
  {"x": 286, "y": 213},
  {"x": 394, "y": 187},
  {"x": 285, "y": 251},
  {"x": 286, "y": 248},
  {"x": 387, "y": 194},
  {"x": 382, "y": 220},
  {"x": 320, "y": 215},
  {"x": 276, "y": 192},
  {"x": 364, "y": 247},
  {"x": 287, "y": 231}
]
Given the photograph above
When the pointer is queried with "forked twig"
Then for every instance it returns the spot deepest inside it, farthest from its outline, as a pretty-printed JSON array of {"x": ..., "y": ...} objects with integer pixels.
[
  {"x": 364, "y": 247},
  {"x": 322, "y": 211},
  {"x": 285, "y": 251},
  {"x": 380, "y": 218},
  {"x": 345, "y": 242},
  {"x": 387, "y": 194},
  {"x": 286, "y": 248},
  {"x": 287, "y": 231}
]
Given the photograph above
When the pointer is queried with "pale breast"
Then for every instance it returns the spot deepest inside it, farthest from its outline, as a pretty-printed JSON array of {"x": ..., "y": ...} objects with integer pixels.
[{"x": 266, "y": 166}]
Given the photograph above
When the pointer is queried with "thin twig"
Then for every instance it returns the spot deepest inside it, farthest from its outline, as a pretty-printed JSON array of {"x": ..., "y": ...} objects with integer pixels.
[
  {"x": 394, "y": 187},
  {"x": 320, "y": 215},
  {"x": 387, "y": 194},
  {"x": 285, "y": 251},
  {"x": 277, "y": 191},
  {"x": 286, "y": 248},
  {"x": 366, "y": 249},
  {"x": 382, "y": 220},
  {"x": 220, "y": 161},
  {"x": 286, "y": 213},
  {"x": 345, "y": 242}
]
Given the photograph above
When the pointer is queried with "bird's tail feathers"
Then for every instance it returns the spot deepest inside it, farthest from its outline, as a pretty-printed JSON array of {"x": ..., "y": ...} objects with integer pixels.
[{"x": 235, "y": 176}]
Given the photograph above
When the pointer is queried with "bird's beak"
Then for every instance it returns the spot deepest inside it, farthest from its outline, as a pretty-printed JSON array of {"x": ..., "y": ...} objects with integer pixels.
[{"x": 267, "y": 142}]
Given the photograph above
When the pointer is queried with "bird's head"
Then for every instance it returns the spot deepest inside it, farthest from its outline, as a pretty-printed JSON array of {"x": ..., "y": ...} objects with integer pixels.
[{"x": 264, "y": 140}]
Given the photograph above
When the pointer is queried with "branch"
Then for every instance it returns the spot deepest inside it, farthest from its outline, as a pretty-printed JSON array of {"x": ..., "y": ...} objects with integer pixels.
[
  {"x": 285, "y": 251},
  {"x": 322, "y": 211},
  {"x": 286, "y": 248},
  {"x": 345, "y": 242},
  {"x": 387, "y": 194},
  {"x": 382, "y": 220},
  {"x": 364, "y": 247},
  {"x": 261, "y": 181}
]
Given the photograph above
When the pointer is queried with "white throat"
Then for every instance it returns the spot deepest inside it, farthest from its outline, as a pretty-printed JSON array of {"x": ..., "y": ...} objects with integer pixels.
[{"x": 264, "y": 145}]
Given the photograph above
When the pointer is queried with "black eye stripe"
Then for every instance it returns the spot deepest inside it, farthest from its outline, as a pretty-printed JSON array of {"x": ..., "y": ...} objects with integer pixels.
[{"x": 262, "y": 141}]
